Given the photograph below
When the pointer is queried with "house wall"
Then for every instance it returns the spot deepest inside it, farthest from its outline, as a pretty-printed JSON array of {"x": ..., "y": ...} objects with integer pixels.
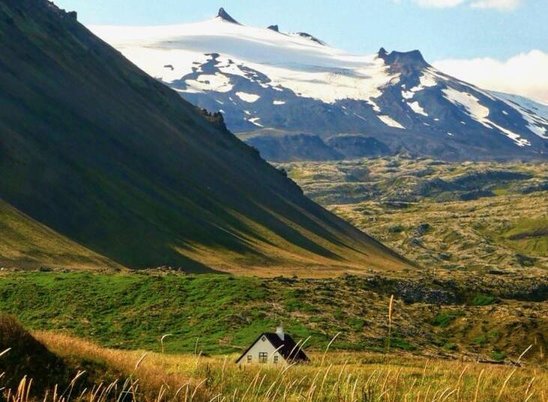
[{"x": 262, "y": 345}]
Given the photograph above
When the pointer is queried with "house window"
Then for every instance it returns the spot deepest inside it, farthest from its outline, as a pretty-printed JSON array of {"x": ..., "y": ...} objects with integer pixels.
[
  {"x": 263, "y": 357},
  {"x": 275, "y": 359},
  {"x": 263, "y": 339},
  {"x": 249, "y": 358}
]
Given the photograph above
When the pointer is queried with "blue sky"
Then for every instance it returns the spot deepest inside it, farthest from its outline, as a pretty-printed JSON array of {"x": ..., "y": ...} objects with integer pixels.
[
  {"x": 441, "y": 29},
  {"x": 495, "y": 44}
]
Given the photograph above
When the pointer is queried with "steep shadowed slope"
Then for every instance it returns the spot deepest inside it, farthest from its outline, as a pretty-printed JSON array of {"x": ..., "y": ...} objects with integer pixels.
[{"x": 106, "y": 156}]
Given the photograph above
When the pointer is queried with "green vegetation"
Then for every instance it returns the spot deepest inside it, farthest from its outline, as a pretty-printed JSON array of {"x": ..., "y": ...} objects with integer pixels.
[
  {"x": 481, "y": 216},
  {"x": 25, "y": 242},
  {"x": 444, "y": 318},
  {"x": 528, "y": 236},
  {"x": 498, "y": 356},
  {"x": 483, "y": 300},
  {"x": 223, "y": 314}
]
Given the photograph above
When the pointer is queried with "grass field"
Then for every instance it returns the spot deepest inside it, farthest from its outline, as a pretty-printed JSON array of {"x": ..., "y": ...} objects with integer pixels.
[
  {"x": 364, "y": 377},
  {"x": 484, "y": 318}
]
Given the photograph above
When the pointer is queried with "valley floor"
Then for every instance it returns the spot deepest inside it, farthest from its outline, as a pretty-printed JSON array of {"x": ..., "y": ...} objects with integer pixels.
[{"x": 472, "y": 216}]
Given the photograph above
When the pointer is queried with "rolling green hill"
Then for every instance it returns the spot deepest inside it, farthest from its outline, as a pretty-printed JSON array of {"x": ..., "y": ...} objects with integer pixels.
[
  {"x": 114, "y": 162},
  {"x": 476, "y": 315}
]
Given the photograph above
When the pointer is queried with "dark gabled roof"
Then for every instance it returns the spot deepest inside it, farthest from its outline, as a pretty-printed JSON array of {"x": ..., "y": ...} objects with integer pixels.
[{"x": 287, "y": 348}]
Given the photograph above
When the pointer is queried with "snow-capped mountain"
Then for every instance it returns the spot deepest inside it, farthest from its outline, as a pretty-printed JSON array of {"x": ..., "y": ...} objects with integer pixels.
[{"x": 294, "y": 97}]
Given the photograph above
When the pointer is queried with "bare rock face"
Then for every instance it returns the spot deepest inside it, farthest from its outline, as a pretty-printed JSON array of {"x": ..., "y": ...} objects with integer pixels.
[{"x": 222, "y": 14}]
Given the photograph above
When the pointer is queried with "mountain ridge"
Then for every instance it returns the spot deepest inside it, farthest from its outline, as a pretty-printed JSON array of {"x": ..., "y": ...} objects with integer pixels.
[{"x": 263, "y": 79}]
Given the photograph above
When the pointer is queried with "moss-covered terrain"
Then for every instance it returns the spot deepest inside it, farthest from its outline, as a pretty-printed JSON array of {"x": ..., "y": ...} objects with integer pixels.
[
  {"x": 481, "y": 216},
  {"x": 481, "y": 317}
]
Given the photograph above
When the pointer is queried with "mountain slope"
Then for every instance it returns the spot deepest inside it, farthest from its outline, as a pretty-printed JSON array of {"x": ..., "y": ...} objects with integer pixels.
[
  {"x": 275, "y": 85},
  {"x": 105, "y": 156},
  {"x": 27, "y": 243}
]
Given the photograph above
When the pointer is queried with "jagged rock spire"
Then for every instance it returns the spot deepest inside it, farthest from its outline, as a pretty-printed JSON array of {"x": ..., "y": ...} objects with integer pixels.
[
  {"x": 413, "y": 58},
  {"x": 222, "y": 14}
]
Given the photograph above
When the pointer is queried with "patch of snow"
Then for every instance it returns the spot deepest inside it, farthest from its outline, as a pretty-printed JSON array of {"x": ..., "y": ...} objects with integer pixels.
[
  {"x": 407, "y": 94},
  {"x": 470, "y": 103},
  {"x": 427, "y": 80},
  {"x": 480, "y": 113},
  {"x": 417, "y": 108},
  {"x": 278, "y": 102},
  {"x": 375, "y": 107},
  {"x": 521, "y": 142},
  {"x": 534, "y": 113},
  {"x": 189, "y": 91},
  {"x": 389, "y": 121},
  {"x": 211, "y": 82},
  {"x": 254, "y": 120},
  {"x": 359, "y": 116},
  {"x": 247, "y": 97},
  {"x": 293, "y": 62}
]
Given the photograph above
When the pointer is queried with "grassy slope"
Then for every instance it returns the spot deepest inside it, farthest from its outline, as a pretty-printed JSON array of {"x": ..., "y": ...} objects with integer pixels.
[
  {"x": 25, "y": 242},
  {"x": 529, "y": 235},
  {"x": 329, "y": 377},
  {"x": 507, "y": 230},
  {"x": 111, "y": 159},
  {"x": 218, "y": 313}
]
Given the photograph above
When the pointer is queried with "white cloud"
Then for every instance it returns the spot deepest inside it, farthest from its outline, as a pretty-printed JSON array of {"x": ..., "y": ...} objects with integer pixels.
[
  {"x": 523, "y": 74},
  {"x": 496, "y": 4},
  {"x": 501, "y": 5},
  {"x": 438, "y": 3}
]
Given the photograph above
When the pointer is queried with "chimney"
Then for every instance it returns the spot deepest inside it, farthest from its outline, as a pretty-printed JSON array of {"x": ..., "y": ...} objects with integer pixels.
[{"x": 280, "y": 332}]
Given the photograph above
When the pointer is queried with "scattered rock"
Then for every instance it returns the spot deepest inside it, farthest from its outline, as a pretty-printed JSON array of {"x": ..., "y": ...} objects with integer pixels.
[{"x": 422, "y": 229}]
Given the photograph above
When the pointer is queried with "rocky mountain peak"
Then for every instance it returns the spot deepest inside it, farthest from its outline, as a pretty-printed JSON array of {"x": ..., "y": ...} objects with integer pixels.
[
  {"x": 311, "y": 37},
  {"x": 411, "y": 59},
  {"x": 274, "y": 28},
  {"x": 222, "y": 14}
]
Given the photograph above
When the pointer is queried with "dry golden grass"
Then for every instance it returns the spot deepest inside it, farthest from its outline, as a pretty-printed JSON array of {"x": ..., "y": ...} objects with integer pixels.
[{"x": 330, "y": 377}]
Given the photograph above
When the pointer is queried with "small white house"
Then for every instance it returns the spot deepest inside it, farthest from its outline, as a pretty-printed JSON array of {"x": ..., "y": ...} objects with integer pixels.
[{"x": 273, "y": 348}]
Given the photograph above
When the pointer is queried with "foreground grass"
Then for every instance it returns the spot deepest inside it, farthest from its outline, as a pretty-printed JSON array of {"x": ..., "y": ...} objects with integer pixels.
[{"x": 330, "y": 377}]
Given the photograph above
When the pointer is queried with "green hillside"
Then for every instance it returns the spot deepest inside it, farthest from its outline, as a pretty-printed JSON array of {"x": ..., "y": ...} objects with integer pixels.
[
  {"x": 27, "y": 243},
  {"x": 475, "y": 316},
  {"x": 110, "y": 159}
]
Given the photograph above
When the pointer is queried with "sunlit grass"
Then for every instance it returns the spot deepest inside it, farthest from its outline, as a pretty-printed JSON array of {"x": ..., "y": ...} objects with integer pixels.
[{"x": 335, "y": 377}]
